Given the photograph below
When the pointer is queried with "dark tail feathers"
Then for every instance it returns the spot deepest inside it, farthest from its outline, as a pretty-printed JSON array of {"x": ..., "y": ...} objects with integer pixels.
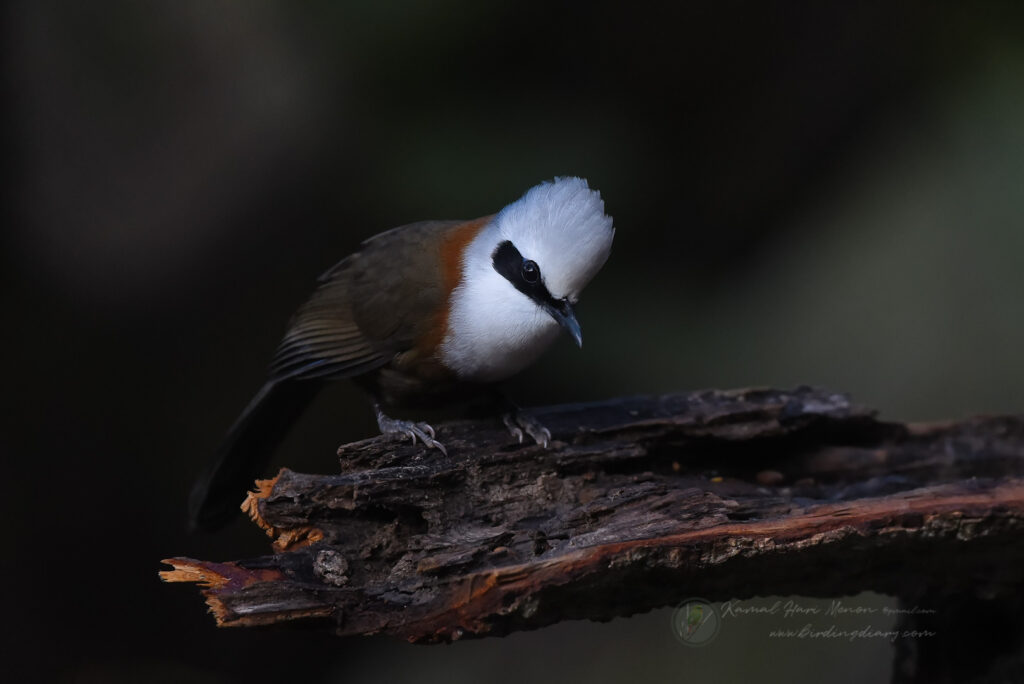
[{"x": 246, "y": 450}]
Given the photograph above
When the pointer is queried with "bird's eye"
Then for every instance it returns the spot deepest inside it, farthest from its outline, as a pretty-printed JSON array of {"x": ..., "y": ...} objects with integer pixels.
[{"x": 531, "y": 273}]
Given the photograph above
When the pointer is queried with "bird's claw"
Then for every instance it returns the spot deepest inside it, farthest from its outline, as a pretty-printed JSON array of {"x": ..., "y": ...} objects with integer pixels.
[
  {"x": 518, "y": 422},
  {"x": 422, "y": 431},
  {"x": 510, "y": 424},
  {"x": 393, "y": 427}
]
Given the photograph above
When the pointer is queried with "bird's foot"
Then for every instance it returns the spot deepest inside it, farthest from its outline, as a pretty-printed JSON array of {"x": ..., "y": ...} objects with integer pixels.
[
  {"x": 519, "y": 422},
  {"x": 395, "y": 428}
]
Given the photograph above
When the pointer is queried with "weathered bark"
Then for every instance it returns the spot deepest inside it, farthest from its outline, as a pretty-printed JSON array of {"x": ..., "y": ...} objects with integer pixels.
[{"x": 639, "y": 503}]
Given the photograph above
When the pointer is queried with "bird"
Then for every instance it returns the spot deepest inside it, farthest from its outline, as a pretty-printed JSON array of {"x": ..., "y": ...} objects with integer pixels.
[
  {"x": 694, "y": 619},
  {"x": 420, "y": 314}
]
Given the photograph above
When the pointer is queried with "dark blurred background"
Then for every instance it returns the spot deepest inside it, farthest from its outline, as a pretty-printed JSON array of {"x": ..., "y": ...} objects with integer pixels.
[{"x": 822, "y": 193}]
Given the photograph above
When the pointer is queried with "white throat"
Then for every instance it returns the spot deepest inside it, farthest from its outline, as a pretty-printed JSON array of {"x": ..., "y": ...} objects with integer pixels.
[{"x": 494, "y": 331}]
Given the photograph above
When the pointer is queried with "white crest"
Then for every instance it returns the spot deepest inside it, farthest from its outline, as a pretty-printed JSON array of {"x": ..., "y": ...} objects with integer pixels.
[
  {"x": 494, "y": 330},
  {"x": 562, "y": 226}
]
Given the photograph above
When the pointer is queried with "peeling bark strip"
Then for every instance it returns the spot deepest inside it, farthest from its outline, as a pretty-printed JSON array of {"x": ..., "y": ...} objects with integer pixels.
[{"x": 639, "y": 503}]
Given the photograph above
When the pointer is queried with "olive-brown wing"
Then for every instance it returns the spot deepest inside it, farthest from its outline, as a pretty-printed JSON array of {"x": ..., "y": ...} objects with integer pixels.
[{"x": 369, "y": 307}]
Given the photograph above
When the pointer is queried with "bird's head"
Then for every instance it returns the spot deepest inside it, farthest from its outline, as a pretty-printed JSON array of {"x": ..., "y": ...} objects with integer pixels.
[
  {"x": 523, "y": 274},
  {"x": 550, "y": 243}
]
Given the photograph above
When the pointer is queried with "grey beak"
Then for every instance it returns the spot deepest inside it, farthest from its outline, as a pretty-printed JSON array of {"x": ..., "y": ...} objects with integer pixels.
[{"x": 562, "y": 312}]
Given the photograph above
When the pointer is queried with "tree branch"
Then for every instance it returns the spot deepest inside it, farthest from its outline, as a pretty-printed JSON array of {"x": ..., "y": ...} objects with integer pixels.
[{"x": 639, "y": 503}]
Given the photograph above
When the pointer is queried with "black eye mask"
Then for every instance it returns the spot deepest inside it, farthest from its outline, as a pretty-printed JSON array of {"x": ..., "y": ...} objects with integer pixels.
[
  {"x": 525, "y": 276},
  {"x": 522, "y": 273}
]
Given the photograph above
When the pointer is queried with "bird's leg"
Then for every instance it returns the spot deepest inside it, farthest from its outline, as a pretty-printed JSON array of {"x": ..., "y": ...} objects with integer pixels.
[
  {"x": 518, "y": 421},
  {"x": 393, "y": 427}
]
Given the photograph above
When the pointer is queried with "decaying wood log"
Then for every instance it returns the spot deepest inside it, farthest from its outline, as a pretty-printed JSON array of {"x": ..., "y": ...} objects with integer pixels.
[{"x": 639, "y": 503}]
